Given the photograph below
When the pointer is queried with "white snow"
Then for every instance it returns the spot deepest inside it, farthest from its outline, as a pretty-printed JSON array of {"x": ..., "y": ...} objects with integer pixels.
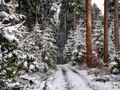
[
  {"x": 11, "y": 85},
  {"x": 55, "y": 83},
  {"x": 4, "y": 14},
  {"x": 68, "y": 78},
  {"x": 77, "y": 82},
  {"x": 56, "y": 7},
  {"x": 9, "y": 33},
  {"x": 111, "y": 84}
]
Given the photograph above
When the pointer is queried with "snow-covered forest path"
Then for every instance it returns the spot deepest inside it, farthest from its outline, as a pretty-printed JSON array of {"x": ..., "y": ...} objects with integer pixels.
[{"x": 65, "y": 79}]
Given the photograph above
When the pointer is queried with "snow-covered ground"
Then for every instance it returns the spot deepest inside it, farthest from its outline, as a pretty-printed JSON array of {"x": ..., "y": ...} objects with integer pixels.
[
  {"x": 67, "y": 78},
  {"x": 100, "y": 81}
]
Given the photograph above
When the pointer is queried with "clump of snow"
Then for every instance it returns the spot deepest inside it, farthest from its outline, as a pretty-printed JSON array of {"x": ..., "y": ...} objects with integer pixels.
[
  {"x": 4, "y": 14},
  {"x": 10, "y": 86},
  {"x": 113, "y": 63}
]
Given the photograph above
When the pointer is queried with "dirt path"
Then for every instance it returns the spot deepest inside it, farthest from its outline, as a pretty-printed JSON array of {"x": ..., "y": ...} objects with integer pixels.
[{"x": 66, "y": 79}]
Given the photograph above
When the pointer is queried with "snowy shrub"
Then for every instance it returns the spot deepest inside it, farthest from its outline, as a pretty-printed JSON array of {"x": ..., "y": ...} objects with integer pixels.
[
  {"x": 115, "y": 66},
  {"x": 79, "y": 55},
  {"x": 96, "y": 61}
]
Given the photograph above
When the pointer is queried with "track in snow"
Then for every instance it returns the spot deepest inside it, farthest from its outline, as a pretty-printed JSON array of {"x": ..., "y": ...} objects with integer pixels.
[{"x": 66, "y": 79}]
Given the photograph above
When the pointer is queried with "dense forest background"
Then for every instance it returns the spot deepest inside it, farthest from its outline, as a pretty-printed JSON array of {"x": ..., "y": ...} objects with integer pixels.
[{"x": 38, "y": 35}]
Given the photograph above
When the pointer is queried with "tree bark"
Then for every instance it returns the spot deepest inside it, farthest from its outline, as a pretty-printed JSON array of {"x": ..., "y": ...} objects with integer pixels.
[
  {"x": 74, "y": 20},
  {"x": 65, "y": 25},
  {"x": 19, "y": 3},
  {"x": 14, "y": 3},
  {"x": 88, "y": 33},
  {"x": 116, "y": 31},
  {"x": 106, "y": 32}
]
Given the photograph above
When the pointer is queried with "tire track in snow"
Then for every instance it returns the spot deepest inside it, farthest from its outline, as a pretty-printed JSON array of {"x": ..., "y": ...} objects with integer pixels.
[
  {"x": 68, "y": 86},
  {"x": 87, "y": 83},
  {"x": 75, "y": 81},
  {"x": 55, "y": 82}
]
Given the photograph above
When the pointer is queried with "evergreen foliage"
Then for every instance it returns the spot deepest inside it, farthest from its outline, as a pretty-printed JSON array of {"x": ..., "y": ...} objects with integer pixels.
[
  {"x": 11, "y": 27},
  {"x": 115, "y": 66},
  {"x": 23, "y": 51},
  {"x": 37, "y": 8}
]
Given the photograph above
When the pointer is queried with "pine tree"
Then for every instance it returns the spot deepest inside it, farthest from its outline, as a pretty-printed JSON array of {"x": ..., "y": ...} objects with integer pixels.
[
  {"x": 43, "y": 9},
  {"x": 66, "y": 23},
  {"x": 11, "y": 60},
  {"x": 69, "y": 46},
  {"x": 115, "y": 64},
  {"x": 49, "y": 49},
  {"x": 97, "y": 30},
  {"x": 112, "y": 50}
]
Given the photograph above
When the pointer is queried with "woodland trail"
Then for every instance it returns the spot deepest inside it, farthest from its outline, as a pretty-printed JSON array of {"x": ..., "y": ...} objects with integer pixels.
[{"x": 66, "y": 79}]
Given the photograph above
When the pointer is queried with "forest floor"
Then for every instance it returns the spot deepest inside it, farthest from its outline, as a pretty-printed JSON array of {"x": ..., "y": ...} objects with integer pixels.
[
  {"x": 69, "y": 78},
  {"x": 66, "y": 79}
]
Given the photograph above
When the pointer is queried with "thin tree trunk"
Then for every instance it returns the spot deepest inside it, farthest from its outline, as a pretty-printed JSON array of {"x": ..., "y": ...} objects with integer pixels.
[
  {"x": 106, "y": 32},
  {"x": 74, "y": 20},
  {"x": 19, "y": 3},
  {"x": 14, "y": 3},
  {"x": 88, "y": 33},
  {"x": 65, "y": 25},
  {"x": 74, "y": 16},
  {"x": 116, "y": 31}
]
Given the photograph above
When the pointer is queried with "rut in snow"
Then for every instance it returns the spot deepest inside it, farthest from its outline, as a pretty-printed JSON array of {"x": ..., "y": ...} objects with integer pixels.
[
  {"x": 68, "y": 86},
  {"x": 75, "y": 71}
]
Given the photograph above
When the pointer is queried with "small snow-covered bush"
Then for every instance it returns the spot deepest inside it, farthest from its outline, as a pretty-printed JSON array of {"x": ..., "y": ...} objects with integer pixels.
[
  {"x": 79, "y": 55},
  {"x": 115, "y": 66}
]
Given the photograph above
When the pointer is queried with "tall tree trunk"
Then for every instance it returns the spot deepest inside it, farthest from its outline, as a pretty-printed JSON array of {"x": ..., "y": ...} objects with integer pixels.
[
  {"x": 14, "y": 3},
  {"x": 65, "y": 25},
  {"x": 88, "y": 33},
  {"x": 19, "y": 3},
  {"x": 74, "y": 20},
  {"x": 116, "y": 31},
  {"x": 106, "y": 32}
]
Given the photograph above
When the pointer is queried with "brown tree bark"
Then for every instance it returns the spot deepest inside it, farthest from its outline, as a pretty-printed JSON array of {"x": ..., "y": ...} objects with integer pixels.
[
  {"x": 74, "y": 16},
  {"x": 106, "y": 32},
  {"x": 14, "y": 3},
  {"x": 19, "y": 5},
  {"x": 88, "y": 33},
  {"x": 65, "y": 27},
  {"x": 116, "y": 29},
  {"x": 74, "y": 20}
]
